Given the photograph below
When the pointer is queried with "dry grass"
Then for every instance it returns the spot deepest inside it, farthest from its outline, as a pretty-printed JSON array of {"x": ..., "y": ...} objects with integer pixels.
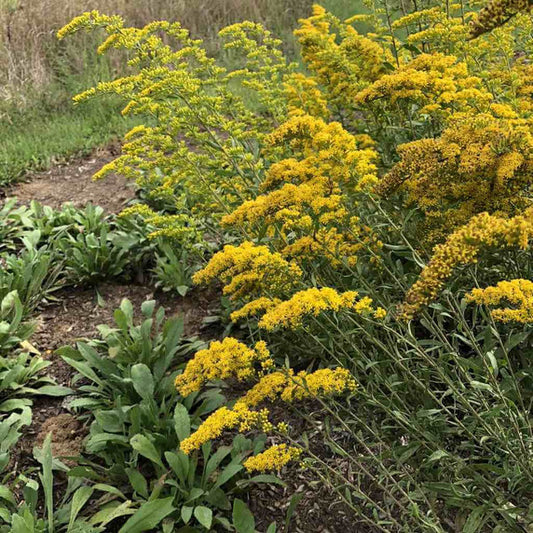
[{"x": 28, "y": 48}]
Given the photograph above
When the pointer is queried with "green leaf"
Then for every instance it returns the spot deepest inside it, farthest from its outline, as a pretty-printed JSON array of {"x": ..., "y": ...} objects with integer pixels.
[
  {"x": 142, "y": 444},
  {"x": 204, "y": 515},
  {"x": 104, "y": 516},
  {"x": 6, "y": 494},
  {"x": 138, "y": 482},
  {"x": 48, "y": 481},
  {"x": 295, "y": 500},
  {"x": 475, "y": 520},
  {"x": 148, "y": 516},
  {"x": 143, "y": 382},
  {"x": 262, "y": 478},
  {"x": 84, "y": 369},
  {"x": 55, "y": 390},
  {"x": 228, "y": 472},
  {"x": 243, "y": 519},
  {"x": 186, "y": 513},
  {"x": 109, "y": 489},
  {"x": 179, "y": 462},
  {"x": 182, "y": 422},
  {"x": 80, "y": 498}
]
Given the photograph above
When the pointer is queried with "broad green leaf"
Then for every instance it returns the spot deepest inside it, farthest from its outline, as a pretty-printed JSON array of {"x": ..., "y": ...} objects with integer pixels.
[
  {"x": 143, "y": 382},
  {"x": 107, "y": 515},
  {"x": 243, "y": 519},
  {"x": 138, "y": 482},
  {"x": 7, "y": 495},
  {"x": 55, "y": 390},
  {"x": 142, "y": 444},
  {"x": 204, "y": 515},
  {"x": 182, "y": 422},
  {"x": 148, "y": 516},
  {"x": 84, "y": 369},
  {"x": 228, "y": 472},
  {"x": 186, "y": 513},
  {"x": 80, "y": 498}
]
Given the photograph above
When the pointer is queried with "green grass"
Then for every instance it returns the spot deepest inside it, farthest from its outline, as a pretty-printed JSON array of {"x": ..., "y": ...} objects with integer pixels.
[{"x": 34, "y": 139}]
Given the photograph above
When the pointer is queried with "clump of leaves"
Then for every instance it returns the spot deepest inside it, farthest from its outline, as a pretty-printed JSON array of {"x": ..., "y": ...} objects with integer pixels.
[{"x": 138, "y": 420}]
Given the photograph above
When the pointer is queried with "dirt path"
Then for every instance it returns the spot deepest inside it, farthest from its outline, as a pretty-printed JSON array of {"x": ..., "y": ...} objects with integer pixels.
[{"x": 72, "y": 182}]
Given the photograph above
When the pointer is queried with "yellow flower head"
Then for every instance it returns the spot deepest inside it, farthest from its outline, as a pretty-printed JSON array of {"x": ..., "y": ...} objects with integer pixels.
[{"x": 273, "y": 458}]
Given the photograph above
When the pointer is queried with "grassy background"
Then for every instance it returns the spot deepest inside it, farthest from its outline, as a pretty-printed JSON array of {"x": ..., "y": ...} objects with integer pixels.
[{"x": 39, "y": 75}]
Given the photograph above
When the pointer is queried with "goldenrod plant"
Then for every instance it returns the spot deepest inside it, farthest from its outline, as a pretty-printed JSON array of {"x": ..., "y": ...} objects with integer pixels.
[{"x": 367, "y": 217}]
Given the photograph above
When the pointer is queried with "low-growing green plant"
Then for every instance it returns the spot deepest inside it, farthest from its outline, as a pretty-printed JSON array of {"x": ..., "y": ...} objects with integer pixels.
[
  {"x": 13, "y": 330},
  {"x": 32, "y": 273},
  {"x": 138, "y": 420},
  {"x": 172, "y": 269},
  {"x": 91, "y": 257},
  {"x": 42, "y": 510}
]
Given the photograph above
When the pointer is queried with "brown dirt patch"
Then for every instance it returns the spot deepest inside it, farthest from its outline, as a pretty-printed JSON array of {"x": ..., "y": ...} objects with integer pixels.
[
  {"x": 72, "y": 182},
  {"x": 67, "y": 435}
]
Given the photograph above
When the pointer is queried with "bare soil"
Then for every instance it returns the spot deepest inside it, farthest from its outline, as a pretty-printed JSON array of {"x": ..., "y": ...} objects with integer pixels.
[{"x": 72, "y": 182}]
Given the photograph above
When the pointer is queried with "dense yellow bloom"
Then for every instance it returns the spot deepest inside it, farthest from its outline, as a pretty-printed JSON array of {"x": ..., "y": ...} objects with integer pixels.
[
  {"x": 438, "y": 84},
  {"x": 323, "y": 149},
  {"x": 308, "y": 215},
  {"x": 273, "y": 458},
  {"x": 463, "y": 247},
  {"x": 180, "y": 229},
  {"x": 319, "y": 384},
  {"x": 195, "y": 157},
  {"x": 224, "y": 419},
  {"x": 254, "y": 308},
  {"x": 311, "y": 302},
  {"x": 305, "y": 97},
  {"x": 277, "y": 385},
  {"x": 480, "y": 163},
  {"x": 248, "y": 270},
  {"x": 222, "y": 360},
  {"x": 497, "y": 13},
  {"x": 517, "y": 292},
  {"x": 442, "y": 29},
  {"x": 341, "y": 59}
]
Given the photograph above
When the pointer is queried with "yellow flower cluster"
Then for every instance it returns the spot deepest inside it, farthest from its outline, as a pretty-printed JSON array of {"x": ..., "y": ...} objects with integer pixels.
[
  {"x": 224, "y": 419},
  {"x": 342, "y": 60},
  {"x": 443, "y": 30},
  {"x": 517, "y": 292},
  {"x": 222, "y": 360},
  {"x": 195, "y": 157},
  {"x": 497, "y": 13},
  {"x": 180, "y": 229},
  {"x": 282, "y": 385},
  {"x": 437, "y": 84},
  {"x": 480, "y": 163},
  {"x": 463, "y": 247},
  {"x": 311, "y": 302},
  {"x": 308, "y": 215},
  {"x": 273, "y": 458},
  {"x": 305, "y": 97},
  {"x": 248, "y": 271}
]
